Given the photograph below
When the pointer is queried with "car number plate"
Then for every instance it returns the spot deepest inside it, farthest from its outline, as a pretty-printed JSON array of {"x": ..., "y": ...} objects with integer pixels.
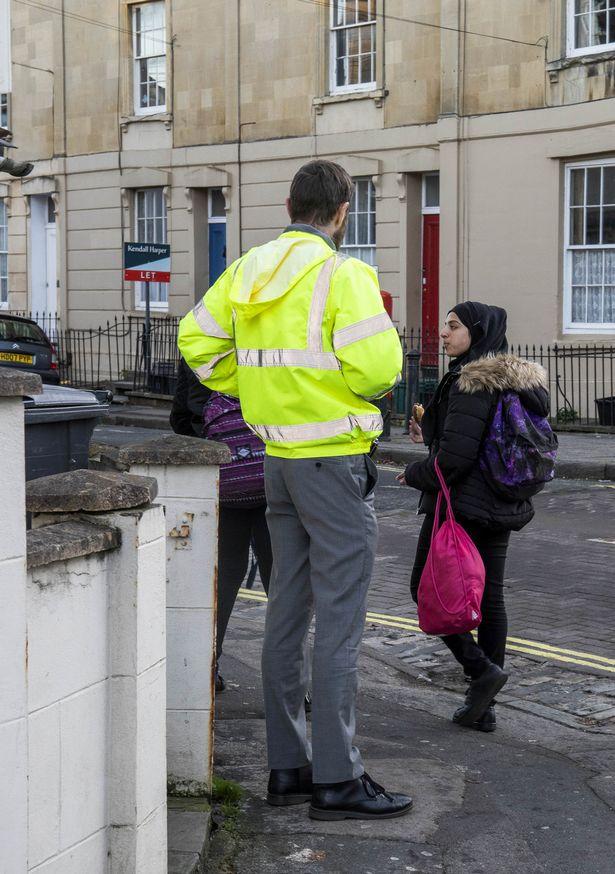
[{"x": 17, "y": 358}]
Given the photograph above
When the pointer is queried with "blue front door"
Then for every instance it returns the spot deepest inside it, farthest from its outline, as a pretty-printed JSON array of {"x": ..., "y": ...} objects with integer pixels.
[{"x": 217, "y": 250}]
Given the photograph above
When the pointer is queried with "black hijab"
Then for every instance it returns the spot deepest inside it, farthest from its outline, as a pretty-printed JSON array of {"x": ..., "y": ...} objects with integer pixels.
[{"x": 487, "y": 327}]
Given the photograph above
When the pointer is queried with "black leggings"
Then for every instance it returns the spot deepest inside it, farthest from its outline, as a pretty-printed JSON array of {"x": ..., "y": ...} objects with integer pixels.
[
  {"x": 491, "y": 646},
  {"x": 237, "y": 529}
]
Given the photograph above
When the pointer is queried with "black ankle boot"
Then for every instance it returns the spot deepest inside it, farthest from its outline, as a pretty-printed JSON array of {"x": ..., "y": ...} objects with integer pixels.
[
  {"x": 486, "y": 721},
  {"x": 289, "y": 786},
  {"x": 481, "y": 691}
]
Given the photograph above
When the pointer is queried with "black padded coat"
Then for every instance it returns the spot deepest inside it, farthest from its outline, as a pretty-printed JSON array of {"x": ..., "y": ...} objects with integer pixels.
[
  {"x": 454, "y": 426},
  {"x": 190, "y": 398}
]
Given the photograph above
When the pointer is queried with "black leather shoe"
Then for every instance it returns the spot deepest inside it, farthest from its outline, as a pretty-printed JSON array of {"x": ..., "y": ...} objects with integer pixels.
[
  {"x": 356, "y": 799},
  {"x": 487, "y": 720},
  {"x": 289, "y": 786},
  {"x": 481, "y": 692}
]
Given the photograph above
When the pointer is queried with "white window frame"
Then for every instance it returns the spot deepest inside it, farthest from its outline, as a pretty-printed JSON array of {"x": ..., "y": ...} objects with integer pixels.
[
  {"x": 138, "y": 109},
  {"x": 211, "y": 218},
  {"x": 353, "y": 248},
  {"x": 334, "y": 88},
  {"x": 4, "y": 225},
  {"x": 4, "y": 108},
  {"x": 571, "y": 50},
  {"x": 159, "y": 287},
  {"x": 570, "y": 327},
  {"x": 428, "y": 210}
]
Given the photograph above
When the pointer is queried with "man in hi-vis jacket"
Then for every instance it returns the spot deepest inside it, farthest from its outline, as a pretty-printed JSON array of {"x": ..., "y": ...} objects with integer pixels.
[{"x": 298, "y": 332}]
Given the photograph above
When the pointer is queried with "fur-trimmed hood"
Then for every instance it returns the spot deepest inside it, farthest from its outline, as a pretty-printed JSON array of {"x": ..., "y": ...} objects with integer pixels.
[{"x": 496, "y": 373}]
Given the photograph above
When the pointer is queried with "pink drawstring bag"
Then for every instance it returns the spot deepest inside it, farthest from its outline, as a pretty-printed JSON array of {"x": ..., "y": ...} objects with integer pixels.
[{"x": 453, "y": 579}]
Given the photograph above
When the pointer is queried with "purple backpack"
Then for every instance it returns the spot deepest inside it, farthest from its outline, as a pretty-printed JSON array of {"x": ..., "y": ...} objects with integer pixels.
[
  {"x": 242, "y": 480},
  {"x": 518, "y": 453}
]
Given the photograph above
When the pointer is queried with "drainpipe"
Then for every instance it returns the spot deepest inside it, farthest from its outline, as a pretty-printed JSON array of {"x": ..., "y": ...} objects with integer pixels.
[{"x": 239, "y": 174}]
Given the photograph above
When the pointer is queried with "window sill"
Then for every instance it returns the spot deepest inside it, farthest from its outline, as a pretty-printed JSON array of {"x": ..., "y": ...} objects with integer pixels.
[
  {"x": 166, "y": 117},
  {"x": 154, "y": 307},
  {"x": 582, "y": 59},
  {"x": 589, "y": 331},
  {"x": 377, "y": 95}
]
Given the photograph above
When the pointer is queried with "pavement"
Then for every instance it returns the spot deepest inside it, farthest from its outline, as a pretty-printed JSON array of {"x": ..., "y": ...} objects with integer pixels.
[
  {"x": 534, "y": 796},
  {"x": 537, "y": 795}
]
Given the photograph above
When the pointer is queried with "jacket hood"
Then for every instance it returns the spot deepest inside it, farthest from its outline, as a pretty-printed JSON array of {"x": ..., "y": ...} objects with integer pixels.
[
  {"x": 269, "y": 272},
  {"x": 502, "y": 373}
]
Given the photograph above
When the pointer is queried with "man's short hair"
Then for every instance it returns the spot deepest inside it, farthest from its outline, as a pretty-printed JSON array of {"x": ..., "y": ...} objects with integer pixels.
[{"x": 317, "y": 192}]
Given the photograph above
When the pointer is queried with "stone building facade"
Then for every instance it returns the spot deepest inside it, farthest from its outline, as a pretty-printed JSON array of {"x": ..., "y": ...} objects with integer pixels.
[{"x": 481, "y": 134}]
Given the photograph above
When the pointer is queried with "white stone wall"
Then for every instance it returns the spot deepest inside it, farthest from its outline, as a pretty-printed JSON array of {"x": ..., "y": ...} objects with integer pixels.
[
  {"x": 96, "y": 706},
  {"x": 82, "y": 691}
]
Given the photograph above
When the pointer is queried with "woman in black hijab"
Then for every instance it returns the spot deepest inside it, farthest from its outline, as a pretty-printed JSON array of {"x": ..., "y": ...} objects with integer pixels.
[{"x": 453, "y": 427}]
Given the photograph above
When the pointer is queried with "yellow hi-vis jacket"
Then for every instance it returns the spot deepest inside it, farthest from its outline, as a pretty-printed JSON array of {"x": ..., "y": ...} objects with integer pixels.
[{"x": 300, "y": 335}]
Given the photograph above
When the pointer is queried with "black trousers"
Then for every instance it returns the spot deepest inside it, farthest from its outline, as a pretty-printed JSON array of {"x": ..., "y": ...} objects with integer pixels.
[
  {"x": 491, "y": 646},
  {"x": 237, "y": 528}
]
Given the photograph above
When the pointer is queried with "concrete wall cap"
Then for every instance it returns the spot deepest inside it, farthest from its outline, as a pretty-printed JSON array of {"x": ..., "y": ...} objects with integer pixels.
[
  {"x": 19, "y": 383},
  {"x": 89, "y": 491},
  {"x": 67, "y": 540},
  {"x": 171, "y": 449}
]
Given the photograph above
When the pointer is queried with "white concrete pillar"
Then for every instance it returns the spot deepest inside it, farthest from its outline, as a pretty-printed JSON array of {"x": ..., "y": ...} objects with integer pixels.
[
  {"x": 137, "y": 700},
  {"x": 13, "y": 640},
  {"x": 186, "y": 470}
]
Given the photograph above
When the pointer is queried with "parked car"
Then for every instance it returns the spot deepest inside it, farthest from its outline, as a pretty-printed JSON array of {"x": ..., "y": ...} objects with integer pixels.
[{"x": 25, "y": 346}]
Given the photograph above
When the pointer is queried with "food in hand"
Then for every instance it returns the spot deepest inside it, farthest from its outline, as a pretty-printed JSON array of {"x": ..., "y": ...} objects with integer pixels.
[{"x": 417, "y": 413}]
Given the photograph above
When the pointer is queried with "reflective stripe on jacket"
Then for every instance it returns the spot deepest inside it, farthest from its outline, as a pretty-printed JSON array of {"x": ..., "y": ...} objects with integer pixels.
[{"x": 300, "y": 335}]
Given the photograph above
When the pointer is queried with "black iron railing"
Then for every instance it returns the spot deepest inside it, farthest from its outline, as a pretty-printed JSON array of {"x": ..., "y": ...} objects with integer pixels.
[
  {"x": 49, "y": 322},
  {"x": 115, "y": 352},
  {"x": 163, "y": 354},
  {"x": 581, "y": 382},
  {"x": 581, "y": 377}
]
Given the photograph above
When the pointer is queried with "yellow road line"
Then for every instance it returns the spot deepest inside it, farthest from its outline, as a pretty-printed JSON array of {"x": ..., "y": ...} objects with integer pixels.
[
  {"x": 516, "y": 644},
  {"x": 412, "y": 624},
  {"x": 558, "y": 650},
  {"x": 252, "y": 596},
  {"x": 552, "y": 656}
]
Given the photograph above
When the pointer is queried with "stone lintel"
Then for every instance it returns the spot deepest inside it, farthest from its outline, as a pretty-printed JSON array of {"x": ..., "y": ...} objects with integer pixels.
[
  {"x": 18, "y": 383},
  {"x": 92, "y": 491},
  {"x": 170, "y": 449},
  {"x": 66, "y": 540}
]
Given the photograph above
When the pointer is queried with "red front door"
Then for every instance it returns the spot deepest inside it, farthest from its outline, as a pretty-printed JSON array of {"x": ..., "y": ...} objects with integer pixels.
[{"x": 430, "y": 302}]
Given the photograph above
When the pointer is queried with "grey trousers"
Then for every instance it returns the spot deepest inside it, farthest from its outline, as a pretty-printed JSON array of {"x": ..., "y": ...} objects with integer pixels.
[{"x": 323, "y": 532}]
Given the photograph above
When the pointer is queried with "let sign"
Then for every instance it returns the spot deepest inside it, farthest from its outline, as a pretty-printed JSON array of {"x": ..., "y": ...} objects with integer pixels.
[{"x": 147, "y": 262}]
